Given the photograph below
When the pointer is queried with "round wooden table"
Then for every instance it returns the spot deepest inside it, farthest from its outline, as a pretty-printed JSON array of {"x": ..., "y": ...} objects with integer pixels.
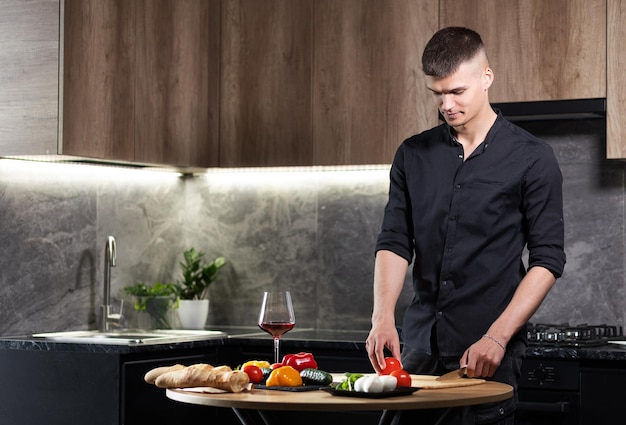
[{"x": 318, "y": 400}]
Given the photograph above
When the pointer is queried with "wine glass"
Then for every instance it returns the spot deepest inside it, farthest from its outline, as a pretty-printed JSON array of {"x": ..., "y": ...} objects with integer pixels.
[{"x": 276, "y": 317}]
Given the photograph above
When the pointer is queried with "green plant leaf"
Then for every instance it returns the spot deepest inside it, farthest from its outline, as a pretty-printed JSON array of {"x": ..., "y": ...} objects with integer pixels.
[
  {"x": 196, "y": 276},
  {"x": 140, "y": 289}
]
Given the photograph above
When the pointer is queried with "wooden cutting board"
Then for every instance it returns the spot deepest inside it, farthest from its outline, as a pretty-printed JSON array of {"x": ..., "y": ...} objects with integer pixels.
[{"x": 430, "y": 382}]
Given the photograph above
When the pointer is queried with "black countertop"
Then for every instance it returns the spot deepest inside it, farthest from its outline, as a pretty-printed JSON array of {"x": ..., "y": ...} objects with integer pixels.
[
  {"x": 612, "y": 352},
  {"x": 303, "y": 339}
]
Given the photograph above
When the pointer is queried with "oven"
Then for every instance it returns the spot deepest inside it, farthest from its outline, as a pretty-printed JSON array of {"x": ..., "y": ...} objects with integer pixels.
[
  {"x": 556, "y": 390},
  {"x": 549, "y": 393}
]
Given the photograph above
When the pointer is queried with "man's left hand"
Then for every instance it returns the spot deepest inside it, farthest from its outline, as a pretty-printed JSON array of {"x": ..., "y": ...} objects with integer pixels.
[{"x": 482, "y": 358}]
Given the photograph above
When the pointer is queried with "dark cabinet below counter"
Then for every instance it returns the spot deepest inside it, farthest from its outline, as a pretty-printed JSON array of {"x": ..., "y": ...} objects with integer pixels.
[
  {"x": 57, "y": 383},
  {"x": 71, "y": 384},
  {"x": 40, "y": 387}
]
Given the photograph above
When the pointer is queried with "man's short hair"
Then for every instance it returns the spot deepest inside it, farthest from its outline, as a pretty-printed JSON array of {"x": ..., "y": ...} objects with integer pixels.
[{"x": 448, "y": 49}]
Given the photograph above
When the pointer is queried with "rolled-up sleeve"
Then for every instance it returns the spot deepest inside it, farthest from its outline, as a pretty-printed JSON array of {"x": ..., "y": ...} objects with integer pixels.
[
  {"x": 543, "y": 203},
  {"x": 397, "y": 232}
]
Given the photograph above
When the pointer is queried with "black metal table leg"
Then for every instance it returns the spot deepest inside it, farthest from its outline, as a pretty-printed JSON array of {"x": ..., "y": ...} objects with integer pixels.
[
  {"x": 386, "y": 417},
  {"x": 446, "y": 413},
  {"x": 251, "y": 417}
]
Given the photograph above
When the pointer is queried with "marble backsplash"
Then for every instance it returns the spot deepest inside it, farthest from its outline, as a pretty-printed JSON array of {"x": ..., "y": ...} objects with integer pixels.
[{"x": 310, "y": 232}]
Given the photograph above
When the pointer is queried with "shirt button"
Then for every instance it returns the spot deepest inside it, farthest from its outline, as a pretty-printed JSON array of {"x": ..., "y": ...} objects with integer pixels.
[
  {"x": 444, "y": 283},
  {"x": 458, "y": 186},
  {"x": 453, "y": 218},
  {"x": 461, "y": 155}
]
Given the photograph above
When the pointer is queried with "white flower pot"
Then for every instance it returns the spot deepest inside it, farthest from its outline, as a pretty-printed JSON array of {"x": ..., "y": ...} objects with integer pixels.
[{"x": 193, "y": 313}]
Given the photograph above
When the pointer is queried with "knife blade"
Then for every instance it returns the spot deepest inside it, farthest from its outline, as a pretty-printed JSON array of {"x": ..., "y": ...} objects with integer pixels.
[{"x": 455, "y": 374}]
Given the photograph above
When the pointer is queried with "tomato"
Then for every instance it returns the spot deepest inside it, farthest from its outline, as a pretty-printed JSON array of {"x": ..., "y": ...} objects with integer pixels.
[
  {"x": 403, "y": 377},
  {"x": 391, "y": 364},
  {"x": 255, "y": 374}
]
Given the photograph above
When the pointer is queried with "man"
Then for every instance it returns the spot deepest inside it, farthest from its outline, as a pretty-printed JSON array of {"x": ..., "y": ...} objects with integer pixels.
[{"x": 465, "y": 198}]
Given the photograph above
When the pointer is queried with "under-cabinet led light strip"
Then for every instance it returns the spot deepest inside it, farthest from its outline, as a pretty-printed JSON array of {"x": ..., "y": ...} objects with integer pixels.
[
  {"x": 290, "y": 176},
  {"x": 28, "y": 170}
]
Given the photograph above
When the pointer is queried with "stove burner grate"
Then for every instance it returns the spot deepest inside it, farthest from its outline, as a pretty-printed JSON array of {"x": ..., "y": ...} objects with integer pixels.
[{"x": 566, "y": 335}]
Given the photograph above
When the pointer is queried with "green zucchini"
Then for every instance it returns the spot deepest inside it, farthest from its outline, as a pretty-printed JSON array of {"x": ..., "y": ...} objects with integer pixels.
[
  {"x": 266, "y": 373},
  {"x": 315, "y": 377}
]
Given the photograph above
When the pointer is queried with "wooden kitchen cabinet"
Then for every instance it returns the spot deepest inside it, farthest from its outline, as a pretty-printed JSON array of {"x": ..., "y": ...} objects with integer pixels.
[
  {"x": 110, "y": 80},
  {"x": 616, "y": 89},
  {"x": 322, "y": 82},
  {"x": 539, "y": 50},
  {"x": 265, "y": 96},
  {"x": 177, "y": 82},
  {"x": 99, "y": 79},
  {"x": 140, "y": 81},
  {"x": 233, "y": 83},
  {"x": 369, "y": 90},
  {"x": 29, "y": 76}
]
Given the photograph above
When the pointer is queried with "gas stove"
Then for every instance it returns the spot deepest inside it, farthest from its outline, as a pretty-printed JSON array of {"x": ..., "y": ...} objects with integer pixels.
[
  {"x": 566, "y": 335},
  {"x": 564, "y": 390}
]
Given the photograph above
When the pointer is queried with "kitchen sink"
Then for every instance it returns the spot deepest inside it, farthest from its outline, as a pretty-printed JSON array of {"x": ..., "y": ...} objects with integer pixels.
[{"x": 130, "y": 337}]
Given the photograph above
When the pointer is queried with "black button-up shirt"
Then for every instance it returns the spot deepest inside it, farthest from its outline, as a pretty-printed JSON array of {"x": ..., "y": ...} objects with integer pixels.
[{"x": 465, "y": 224}]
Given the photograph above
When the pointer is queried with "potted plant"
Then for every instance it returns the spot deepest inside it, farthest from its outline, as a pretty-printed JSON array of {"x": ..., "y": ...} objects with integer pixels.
[
  {"x": 192, "y": 288},
  {"x": 157, "y": 302}
]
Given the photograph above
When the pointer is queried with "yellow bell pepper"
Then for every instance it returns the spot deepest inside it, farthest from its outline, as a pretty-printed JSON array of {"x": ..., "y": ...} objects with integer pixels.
[
  {"x": 263, "y": 364},
  {"x": 285, "y": 376}
]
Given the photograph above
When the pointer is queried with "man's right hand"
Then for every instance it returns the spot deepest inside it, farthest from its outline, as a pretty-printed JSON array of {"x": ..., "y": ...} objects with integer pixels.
[
  {"x": 379, "y": 338},
  {"x": 389, "y": 274}
]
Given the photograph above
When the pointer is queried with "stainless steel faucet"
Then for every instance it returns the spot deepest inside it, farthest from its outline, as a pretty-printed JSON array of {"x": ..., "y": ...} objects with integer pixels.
[{"x": 107, "y": 318}]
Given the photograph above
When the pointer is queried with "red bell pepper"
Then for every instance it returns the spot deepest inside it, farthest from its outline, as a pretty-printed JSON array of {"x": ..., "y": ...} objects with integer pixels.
[{"x": 300, "y": 361}]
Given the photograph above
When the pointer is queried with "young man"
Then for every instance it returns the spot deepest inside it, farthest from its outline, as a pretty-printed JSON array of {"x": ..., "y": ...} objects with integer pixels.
[{"x": 465, "y": 198}]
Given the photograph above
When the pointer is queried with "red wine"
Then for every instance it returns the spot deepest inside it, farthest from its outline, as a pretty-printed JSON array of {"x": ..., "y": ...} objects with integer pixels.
[{"x": 276, "y": 329}]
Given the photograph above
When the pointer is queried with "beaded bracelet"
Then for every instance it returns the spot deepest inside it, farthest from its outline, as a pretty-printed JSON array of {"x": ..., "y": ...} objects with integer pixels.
[{"x": 496, "y": 341}]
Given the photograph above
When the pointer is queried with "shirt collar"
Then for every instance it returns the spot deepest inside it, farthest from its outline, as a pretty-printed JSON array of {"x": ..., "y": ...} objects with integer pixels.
[{"x": 483, "y": 146}]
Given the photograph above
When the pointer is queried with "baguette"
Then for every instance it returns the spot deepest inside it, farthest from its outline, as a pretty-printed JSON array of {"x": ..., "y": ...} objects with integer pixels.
[
  {"x": 200, "y": 375},
  {"x": 153, "y": 374}
]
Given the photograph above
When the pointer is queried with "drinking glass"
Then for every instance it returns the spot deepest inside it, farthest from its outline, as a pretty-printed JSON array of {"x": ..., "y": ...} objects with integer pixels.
[{"x": 276, "y": 317}]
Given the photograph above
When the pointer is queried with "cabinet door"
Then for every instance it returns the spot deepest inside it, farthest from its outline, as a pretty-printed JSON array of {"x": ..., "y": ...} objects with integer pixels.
[
  {"x": 265, "y": 95},
  {"x": 539, "y": 50},
  {"x": 616, "y": 89},
  {"x": 143, "y": 404},
  {"x": 99, "y": 79},
  {"x": 369, "y": 90},
  {"x": 29, "y": 76},
  {"x": 602, "y": 394},
  {"x": 177, "y": 81}
]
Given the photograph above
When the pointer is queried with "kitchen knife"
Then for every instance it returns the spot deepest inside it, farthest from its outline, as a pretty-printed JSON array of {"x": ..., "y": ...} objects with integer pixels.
[{"x": 455, "y": 374}]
